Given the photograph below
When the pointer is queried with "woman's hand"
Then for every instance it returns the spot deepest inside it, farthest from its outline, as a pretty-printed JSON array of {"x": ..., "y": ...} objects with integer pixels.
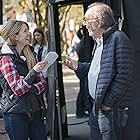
[
  {"x": 40, "y": 66},
  {"x": 72, "y": 64}
]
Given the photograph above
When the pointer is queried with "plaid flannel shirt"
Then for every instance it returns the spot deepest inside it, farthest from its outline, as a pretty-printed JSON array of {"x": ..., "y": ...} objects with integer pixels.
[{"x": 17, "y": 82}]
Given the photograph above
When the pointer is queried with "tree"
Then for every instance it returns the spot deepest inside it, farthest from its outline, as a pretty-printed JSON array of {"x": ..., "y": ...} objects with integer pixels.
[
  {"x": 40, "y": 8},
  {"x": 65, "y": 14}
]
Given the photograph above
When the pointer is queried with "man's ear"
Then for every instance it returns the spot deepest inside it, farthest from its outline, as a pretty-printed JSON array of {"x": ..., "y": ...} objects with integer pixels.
[{"x": 99, "y": 24}]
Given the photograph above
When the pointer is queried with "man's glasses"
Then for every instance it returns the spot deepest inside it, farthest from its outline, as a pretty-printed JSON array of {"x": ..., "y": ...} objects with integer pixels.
[{"x": 86, "y": 20}]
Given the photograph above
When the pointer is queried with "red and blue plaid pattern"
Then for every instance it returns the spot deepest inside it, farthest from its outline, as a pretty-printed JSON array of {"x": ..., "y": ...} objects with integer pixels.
[{"x": 17, "y": 82}]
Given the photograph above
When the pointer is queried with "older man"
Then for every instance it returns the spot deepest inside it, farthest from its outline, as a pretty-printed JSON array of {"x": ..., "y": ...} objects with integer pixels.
[{"x": 110, "y": 73}]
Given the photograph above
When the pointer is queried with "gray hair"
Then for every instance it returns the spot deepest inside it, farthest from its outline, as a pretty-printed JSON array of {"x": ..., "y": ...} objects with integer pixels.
[{"x": 103, "y": 14}]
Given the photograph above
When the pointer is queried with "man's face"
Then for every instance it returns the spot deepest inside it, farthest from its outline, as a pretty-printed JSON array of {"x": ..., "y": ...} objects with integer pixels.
[{"x": 91, "y": 23}]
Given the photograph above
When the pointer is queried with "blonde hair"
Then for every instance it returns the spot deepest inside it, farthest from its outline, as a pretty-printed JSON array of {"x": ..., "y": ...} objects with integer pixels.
[{"x": 8, "y": 31}]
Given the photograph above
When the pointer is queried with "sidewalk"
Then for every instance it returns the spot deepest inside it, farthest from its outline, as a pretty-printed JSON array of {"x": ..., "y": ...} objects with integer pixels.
[{"x": 78, "y": 129}]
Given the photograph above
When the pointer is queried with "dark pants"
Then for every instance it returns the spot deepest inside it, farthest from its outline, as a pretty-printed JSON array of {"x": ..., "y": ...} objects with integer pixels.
[
  {"x": 81, "y": 102},
  {"x": 107, "y": 125},
  {"x": 46, "y": 90},
  {"x": 21, "y": 127}
]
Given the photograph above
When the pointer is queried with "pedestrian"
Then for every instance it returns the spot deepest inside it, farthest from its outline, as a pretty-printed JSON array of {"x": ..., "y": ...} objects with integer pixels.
[
  {"x": 40, "y": 46},
  {"x": 84, "y": 52},
  {"x": 69, "y": 38},
  {"x": 22, "y": 83},
  {"x": 110, "y": 73}
]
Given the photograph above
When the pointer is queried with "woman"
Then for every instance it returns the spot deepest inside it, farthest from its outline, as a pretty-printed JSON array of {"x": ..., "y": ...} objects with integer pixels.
[
  {"x": 40, "y": 46},
  {"x": 22, "y": 82},
  {"x": 40, "y": 43}
]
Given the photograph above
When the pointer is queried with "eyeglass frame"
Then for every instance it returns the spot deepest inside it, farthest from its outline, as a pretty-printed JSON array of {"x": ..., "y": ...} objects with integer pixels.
[{"x": 85, "y": 19}]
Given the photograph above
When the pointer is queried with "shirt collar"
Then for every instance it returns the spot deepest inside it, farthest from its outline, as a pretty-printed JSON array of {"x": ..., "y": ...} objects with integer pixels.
[{"x": 99, "y": 41}]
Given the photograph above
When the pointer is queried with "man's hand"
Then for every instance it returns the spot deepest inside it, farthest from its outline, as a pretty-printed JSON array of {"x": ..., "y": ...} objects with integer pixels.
[
  {"x": 105, "y": 108},
  {"x": 72, "y": 64}
]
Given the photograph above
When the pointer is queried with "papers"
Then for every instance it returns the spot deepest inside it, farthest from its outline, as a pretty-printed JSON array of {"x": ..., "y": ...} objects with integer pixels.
[
  {"x": 2, "y": 41},
  {"x": 51, "y": 58}
]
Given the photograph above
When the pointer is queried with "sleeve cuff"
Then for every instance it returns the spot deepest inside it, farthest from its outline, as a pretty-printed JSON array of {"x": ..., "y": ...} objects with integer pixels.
[{"x": 31, "y": 76}]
